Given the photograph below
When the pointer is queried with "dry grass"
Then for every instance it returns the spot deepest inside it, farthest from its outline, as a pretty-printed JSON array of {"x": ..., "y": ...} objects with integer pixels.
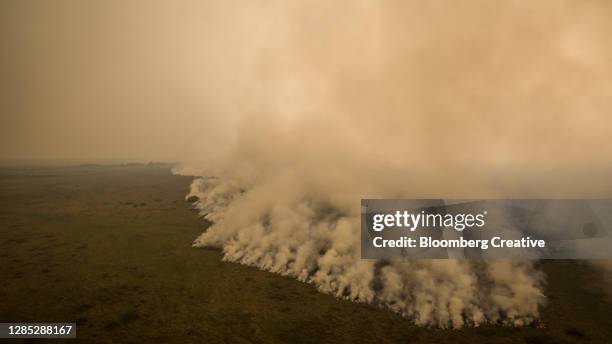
[{"x": 109, "y": 248}]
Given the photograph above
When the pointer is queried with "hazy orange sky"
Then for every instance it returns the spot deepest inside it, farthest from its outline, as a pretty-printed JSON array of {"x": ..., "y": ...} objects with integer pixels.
[
  {"x": 169, "y": 80},
  {"x": 106, "y": 79}
]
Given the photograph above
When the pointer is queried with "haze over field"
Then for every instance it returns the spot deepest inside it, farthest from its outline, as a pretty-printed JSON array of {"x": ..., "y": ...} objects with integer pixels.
[
  {"x": 300, "y": 109},
  {"x": 509, "y": 83}
]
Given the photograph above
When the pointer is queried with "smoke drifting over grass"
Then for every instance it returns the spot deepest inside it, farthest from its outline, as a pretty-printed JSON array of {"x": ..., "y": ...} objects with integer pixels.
[
  {"x": 334, "y": 102},
  {"x": 282, "y": 227}
]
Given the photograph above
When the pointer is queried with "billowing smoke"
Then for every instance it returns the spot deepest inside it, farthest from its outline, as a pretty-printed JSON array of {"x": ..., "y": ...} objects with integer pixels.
[
  {"x": 285, "y": 226},
  {"x": 337, "y": 101}
]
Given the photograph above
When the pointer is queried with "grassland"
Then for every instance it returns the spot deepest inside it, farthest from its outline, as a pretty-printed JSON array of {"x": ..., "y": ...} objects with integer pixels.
[{"x": 109, "y": 247}]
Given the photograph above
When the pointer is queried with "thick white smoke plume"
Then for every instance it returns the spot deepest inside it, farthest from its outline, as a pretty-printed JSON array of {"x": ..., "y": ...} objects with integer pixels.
[
  {"x": 331, "y": 102},
  {"x": 283, "y": 227}
]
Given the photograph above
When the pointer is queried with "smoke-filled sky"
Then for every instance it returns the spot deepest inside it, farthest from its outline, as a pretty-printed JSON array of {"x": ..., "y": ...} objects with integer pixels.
[
  {"x": 115, "y": 79},
  {"x": 475, "y": 82}
]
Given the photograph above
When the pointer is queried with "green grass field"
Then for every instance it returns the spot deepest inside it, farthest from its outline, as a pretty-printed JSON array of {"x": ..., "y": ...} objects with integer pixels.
[{"x": 109, "y": 247}]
